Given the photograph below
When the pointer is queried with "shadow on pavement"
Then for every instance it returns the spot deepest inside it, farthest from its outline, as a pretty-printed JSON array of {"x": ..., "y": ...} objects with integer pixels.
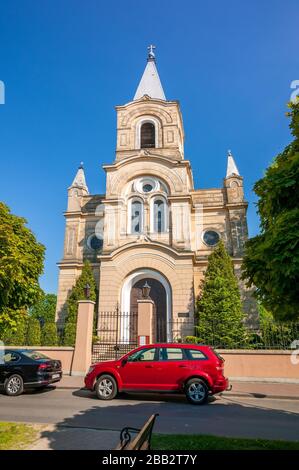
[{"x": 98, "y": 427}]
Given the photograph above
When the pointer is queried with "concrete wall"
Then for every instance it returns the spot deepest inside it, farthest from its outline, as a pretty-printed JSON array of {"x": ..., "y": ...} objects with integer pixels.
[
  {"x": 64, "y": 354},
  {"x": 241, "y": 365},
  {"x": 260, "y": 364}
]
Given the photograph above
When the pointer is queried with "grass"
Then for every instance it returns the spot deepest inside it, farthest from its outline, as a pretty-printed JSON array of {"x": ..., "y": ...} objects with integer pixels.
[
  {"x": 206, "y": 442},
  {"x": 16, "y": 436}
]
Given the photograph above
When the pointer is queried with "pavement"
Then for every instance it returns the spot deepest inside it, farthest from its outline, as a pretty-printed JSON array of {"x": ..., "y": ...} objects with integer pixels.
[
  {"x": 288, "y": 391},
  {"x": 73, "y": 418}
]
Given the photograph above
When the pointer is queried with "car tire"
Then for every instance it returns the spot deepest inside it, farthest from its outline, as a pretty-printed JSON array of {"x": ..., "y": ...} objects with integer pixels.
[
  {"x": 14, "y": 385},
  {"x": 106, "y": 387},
  {"x": 196, "y": 391}
]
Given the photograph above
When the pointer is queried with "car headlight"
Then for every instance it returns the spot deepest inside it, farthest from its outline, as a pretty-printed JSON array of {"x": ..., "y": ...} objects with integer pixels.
[{"x": 90, "y": 370}]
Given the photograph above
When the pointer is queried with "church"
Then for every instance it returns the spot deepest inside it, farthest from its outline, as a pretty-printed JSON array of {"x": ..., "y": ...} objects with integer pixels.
[{"x": 151, "y": 227}]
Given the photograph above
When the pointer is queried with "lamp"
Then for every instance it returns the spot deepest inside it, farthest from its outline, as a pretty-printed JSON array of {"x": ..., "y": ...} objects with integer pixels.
[
  {"x": 87, "y": 291},
  {"x": 146, "y": 290}
]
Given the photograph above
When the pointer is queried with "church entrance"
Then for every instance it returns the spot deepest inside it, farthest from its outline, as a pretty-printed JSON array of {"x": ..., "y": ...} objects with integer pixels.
[{"x": 158, "y": 296}]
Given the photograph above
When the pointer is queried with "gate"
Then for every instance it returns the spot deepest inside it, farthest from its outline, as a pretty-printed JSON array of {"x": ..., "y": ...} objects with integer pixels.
[{"x": 117, "y": 332}]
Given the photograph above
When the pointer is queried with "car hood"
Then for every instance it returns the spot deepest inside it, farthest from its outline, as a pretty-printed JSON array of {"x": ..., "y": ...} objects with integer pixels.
[{"x": 109, "y": 362}]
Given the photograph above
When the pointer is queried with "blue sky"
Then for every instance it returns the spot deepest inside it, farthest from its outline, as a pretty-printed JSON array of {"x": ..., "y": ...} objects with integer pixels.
[{"x": 67, "y": 63}]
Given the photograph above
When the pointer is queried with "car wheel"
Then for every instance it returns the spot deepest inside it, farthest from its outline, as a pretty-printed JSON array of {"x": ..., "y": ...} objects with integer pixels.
[
  {"x": 106, "y": 387},
  {"x": 14, "y": 385},
  {"x": 196, "y": 391}
]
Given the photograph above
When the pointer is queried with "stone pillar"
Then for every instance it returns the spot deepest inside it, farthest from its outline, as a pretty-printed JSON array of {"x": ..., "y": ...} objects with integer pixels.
[
  {"x": 145, "y": 326},
  {"x": 82, "y": 353}
]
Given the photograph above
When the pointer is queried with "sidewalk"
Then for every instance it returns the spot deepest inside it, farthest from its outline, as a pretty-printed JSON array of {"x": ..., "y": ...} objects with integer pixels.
[{"x": 286, "y": 391}]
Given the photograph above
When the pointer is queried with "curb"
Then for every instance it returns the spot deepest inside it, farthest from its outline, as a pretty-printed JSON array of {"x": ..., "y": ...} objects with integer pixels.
[{"x": 257, "y": 395}]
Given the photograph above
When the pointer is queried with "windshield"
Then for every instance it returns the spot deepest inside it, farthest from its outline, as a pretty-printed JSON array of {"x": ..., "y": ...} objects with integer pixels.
[{"x": 35, "y": 355}]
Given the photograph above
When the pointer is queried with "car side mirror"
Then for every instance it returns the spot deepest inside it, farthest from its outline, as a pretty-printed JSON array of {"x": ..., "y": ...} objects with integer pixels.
[{"x": 124, "y": 361}]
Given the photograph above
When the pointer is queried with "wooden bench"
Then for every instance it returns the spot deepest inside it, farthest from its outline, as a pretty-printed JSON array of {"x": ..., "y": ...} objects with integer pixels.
[{"x": 142, "y": 439}]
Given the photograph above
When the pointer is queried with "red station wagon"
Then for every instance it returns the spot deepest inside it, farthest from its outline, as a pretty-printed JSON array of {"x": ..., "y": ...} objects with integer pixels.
[{"x": 197, "y": 371}]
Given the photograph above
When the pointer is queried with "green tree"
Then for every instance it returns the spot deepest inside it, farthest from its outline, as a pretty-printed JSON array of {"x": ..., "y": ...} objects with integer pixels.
[
  {"x": 44, "y": 308},
  {"x": 49, "y": 334},
  {"x": 219, "y": 308},
  {"x": 271, "y": 261},
  {"x": 21, "y": 264},
  {"x": 15, "y": 336},
  {"x": 33, "y": 332},
  {"x": 78, "y": 292},
  {"x": 69, "y": 337}
]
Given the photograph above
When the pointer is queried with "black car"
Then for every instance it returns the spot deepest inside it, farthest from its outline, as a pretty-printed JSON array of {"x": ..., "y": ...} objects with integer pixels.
[{"x": 25, "y": 368}]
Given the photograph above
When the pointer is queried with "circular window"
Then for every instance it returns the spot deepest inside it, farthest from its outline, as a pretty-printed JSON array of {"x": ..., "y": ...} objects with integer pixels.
[
  {"x": 147, "y": 188},
  {"x": 146, "y": 185},
  {"x": 95, "y": 243},
  {"x": 211, "y": 238}
]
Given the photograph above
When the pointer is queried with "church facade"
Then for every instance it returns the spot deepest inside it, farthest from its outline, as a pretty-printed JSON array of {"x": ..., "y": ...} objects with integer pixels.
[{"x": 151, "y": 225}]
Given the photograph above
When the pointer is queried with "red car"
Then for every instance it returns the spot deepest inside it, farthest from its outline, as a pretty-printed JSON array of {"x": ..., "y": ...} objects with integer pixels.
[{"x": 197, "y": 371}]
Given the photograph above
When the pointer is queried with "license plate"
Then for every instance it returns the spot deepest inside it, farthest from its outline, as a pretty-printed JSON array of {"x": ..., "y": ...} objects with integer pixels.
[{"x": 55, "y": 376}]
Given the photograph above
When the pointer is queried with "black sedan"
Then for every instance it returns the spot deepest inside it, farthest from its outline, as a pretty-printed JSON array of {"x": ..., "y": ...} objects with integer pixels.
[{"x": 25, "y": 368}]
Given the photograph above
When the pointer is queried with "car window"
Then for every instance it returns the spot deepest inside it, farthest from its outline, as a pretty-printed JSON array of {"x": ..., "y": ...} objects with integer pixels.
[
  {"x": 10, "y": 356},
  {"x": 171, "y": 354},
  {"x": 196, "y": 354},
  {"x": 143, "y": 355},
  {"x": 35, "y": 355}
]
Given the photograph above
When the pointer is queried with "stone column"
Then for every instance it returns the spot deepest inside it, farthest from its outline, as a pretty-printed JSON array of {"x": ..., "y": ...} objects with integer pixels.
[
  {"x": 145, "y": 328},
  {"x": 82, "y": 353}
]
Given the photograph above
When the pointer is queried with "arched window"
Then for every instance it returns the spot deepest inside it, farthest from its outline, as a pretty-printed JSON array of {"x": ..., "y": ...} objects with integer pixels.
[
  {"x": 136, "y": 217},
  {"x": 159, "y": 216},
  {"x": 147, "y": 135}
]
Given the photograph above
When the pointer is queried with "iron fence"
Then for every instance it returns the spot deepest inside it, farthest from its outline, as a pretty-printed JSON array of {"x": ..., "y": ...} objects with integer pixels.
[{"x": 269, "y": 335}]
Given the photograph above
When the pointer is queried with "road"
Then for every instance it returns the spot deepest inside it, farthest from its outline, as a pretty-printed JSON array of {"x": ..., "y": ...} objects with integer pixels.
[{"x": 237, "y": 417}]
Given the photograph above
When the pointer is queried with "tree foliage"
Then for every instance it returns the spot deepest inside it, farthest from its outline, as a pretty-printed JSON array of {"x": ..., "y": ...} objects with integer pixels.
[
  {"x": 33, "y": 332},
  {"x": 21, "y": 264},
  {"x": 271, "y": 261},
  {"x": 49, "y": 335},
  {"x": 78, "y": 292},
  {"x": 44, "y": 308},
  {"x": 219, "y": 308}
]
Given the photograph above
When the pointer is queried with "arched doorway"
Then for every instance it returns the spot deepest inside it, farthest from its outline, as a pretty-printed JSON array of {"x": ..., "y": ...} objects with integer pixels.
[
  {"x": 125, "y": 300},
  {"x": 158, "y": 296}
]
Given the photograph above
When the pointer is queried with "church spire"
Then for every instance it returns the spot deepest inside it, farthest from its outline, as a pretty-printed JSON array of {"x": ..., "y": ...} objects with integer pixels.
[
  {"x": 79, "y": 180},
  {"x": 231, "y": 166},
  {"x": 150, "y": 83}
]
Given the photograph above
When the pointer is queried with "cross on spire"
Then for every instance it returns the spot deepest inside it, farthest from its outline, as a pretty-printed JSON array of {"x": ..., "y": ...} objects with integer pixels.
[{"x": 151, "y": 53}]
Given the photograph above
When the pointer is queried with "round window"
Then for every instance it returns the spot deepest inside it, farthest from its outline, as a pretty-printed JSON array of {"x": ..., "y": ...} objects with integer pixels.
[
  {"x": 95, "y": 243},
  {"x": 147, "y": 188},
  {"x": 211, "y": 238}
]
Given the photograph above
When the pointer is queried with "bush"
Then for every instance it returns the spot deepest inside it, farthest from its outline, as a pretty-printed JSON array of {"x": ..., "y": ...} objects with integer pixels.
[
  {"x": 191, "y": 339},
  {"x": 95, "y": 339},
  {"x": 33, "y": 333},
  {"x": 15, "y": 336},
  {"x": 49, "y": 334},
  {"x": 70, "y": 334}
]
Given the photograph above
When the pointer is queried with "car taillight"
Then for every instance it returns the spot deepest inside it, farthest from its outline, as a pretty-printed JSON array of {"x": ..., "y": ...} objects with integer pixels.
[
  {"x": 42, "y": 367},
  {"x": 220, "y": 366}
]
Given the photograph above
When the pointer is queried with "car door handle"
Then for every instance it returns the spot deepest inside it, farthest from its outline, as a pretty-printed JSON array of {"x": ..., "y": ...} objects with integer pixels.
[
  {"x": 148, "y": 367},
  {"x": 182, "y": 366}
]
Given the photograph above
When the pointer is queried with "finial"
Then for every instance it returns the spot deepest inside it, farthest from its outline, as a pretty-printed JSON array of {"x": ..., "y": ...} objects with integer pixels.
[
  {"x": 229, "y": 153},
  {"x": 151, "y": 54},
  {"x": 81, "y": 166}
]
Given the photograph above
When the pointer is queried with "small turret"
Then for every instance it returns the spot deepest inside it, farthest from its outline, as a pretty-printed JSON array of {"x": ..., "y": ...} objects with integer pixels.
[
  {"x": 77, "y": 190},
  {"x": 233, "y": 182}
]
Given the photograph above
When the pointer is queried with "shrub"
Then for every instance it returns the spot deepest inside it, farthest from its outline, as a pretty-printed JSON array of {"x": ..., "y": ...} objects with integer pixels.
[
  {"x": 49, "y": 334},
  {"x": 70, "y": 334},
  {"x": 33, "y": 333}
]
